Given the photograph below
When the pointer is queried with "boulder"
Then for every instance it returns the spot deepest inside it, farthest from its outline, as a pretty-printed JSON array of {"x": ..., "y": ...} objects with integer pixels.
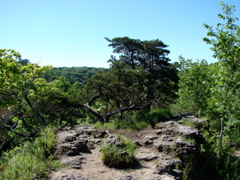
[{"x": 173, "y": 128}]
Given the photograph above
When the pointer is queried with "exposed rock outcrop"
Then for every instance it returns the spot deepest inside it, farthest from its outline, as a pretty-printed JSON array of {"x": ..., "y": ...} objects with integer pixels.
[{"x": 165, "y": 148}]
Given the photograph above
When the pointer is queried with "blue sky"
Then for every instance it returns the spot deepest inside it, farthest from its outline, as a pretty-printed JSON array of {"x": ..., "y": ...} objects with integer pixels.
[{"x": 71, "y": 32}]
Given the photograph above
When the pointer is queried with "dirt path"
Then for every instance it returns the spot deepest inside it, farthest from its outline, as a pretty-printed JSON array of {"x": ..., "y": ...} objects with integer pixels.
[
  {"x": 94, "y": 169},
  {"x": 88, "y": 166}
]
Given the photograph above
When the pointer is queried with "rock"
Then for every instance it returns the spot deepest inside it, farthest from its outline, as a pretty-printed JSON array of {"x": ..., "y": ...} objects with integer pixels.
[
  {"x": 96, "y": 141},
  {"x": 175, "y": 128},
  {"x": 114, "y": 140},
  {"x": 82, "y": 146},
  {"x": 67, "y": 128},
  {"x": 176, "y": 173},
  {"x": 88, "y": 130},
  {"x": 148, "y": 158},
  {"x": 74, "y": 162},
  {"x": 70, "y": 138},
  {"x": 169, "y": 132},
  {"x": 67, "y": 149},
  {"x": 90, "y": 144},
  {"x": 156, "y": 178},
  {"x": 167, "y": 138},
  {"x": 147, "y": 142},
  {"x": 165, "y": 125},
  {"x": 176, "y": 146},
  {"x": 71, "y": 177},
  {"x": 138, "y": 143},
  {"x": 151, "y": 137},
  {"x": 167, "y": 165},
  {"x": 73, "y": 151},
  {"x": 199, "y": 122},
  {"x": 100, "y": 134},
  {"x": 172, "y": 129},
  {"x": 127, "y": 177},
  {"x": 184, "y": 148},
  {"x": 163, "y": 177},
  {"x": 165, "y": 146}
]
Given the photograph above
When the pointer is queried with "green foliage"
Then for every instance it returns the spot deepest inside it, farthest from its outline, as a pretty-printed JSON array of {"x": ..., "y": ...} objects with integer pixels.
[
  {"x": 212, "y": 90},
  {"x": 212, "y": 163},
  {"x": 28, "y": 102},
  {"x": 193, "y": 86},
  {"x": 141, "y": 78},
  {"x": 137, "y": 120},
  {"x": 226, "y": 46},
  {"x": 72, "y": 74},
  {"x": 132, "y": 123},
  {"x": 187, "y": 122},
  {"x": 158, "y": 115},
  {"x": 20, "y": 89},
  {"x": 33, "y": 160},
  {"x": 119, "y": 155}
]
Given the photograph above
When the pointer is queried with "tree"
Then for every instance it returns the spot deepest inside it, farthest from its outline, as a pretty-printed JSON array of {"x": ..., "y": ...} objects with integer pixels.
[
  {"x": 19, "y": 94},
  {"x": 194, "y": 85},
  {"x": 225, "y": 41},
  {"x": 142, "y": 77},
  {"x": 28, "y": 102}
]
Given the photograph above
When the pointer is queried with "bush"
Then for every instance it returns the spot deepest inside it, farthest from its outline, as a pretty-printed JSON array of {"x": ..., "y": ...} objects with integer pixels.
[
  {"x": 118, "y": 152},
  {"x": 33, "y": 160},
  {"x": 157, "y": 115}
]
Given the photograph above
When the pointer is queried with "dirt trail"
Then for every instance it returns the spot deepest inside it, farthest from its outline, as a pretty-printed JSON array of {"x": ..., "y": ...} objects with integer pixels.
[
  {"x": 94, "y": 169},
  {"x": 88, "y": 166}
]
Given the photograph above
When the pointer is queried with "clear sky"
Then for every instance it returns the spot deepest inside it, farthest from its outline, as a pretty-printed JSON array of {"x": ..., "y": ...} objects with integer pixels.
[{"x": 71, "y": 32}]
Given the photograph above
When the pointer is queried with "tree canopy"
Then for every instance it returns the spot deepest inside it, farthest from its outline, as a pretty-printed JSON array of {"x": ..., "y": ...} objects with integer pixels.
[{"x": 140, "y": 78}]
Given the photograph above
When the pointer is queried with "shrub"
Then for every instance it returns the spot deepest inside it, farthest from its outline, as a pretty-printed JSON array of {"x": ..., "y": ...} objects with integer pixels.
[
  {"x": 157, "y": 115},
  {"x": 118, "y": 152},
  {"x": 33, "y": 160}
]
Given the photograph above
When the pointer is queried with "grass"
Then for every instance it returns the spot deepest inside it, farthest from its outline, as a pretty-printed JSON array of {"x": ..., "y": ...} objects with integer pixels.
[
  {"x": 120, "y": 154},
  {"x": 188, "y": 122},
  {"x": 33, "y": 160},
  {"x": 137, "y": 121}
]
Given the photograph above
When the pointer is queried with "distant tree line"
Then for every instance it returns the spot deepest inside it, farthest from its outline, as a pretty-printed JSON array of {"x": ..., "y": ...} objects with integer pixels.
[{"x": 71, "y": 74}]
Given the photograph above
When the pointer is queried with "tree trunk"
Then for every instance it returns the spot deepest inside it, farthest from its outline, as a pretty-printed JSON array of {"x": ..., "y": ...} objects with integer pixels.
[{"x": 95, "y": 113}]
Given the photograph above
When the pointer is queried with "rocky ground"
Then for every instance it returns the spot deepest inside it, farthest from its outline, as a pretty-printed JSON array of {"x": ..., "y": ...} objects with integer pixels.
[{"x": 160, "y": 152}]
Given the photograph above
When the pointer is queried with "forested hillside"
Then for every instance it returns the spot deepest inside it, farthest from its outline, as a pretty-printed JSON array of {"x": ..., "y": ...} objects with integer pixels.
[
  {"x": 141, "y": 88},
  {"x": 71, "y": 74}
]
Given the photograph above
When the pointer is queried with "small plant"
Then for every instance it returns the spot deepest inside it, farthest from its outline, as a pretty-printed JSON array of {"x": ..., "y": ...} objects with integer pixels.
[{"x": 118, "y": 152}]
